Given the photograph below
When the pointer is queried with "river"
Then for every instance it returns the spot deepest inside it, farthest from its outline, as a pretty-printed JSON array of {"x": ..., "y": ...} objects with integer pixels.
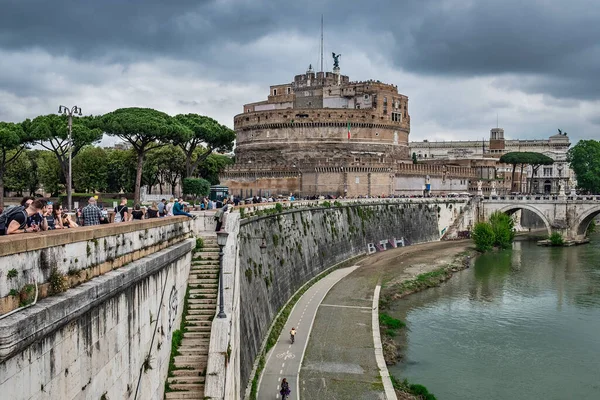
[{"x": 520, "y": 324}]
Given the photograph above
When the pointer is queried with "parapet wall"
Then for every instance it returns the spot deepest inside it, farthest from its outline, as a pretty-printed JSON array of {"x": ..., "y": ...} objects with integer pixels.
[
  {"x": 79, "y": 254},
  {"x": 108, "y": 338},
  {"x": 301, "y": 243}
]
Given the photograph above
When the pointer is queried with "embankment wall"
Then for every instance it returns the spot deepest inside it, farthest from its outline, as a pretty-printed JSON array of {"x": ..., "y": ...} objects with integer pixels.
[{"x": 301, "y": 243}]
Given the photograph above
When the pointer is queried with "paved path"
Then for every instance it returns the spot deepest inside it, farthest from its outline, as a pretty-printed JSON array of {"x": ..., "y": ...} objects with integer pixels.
[{"x": 284, "y": 359}]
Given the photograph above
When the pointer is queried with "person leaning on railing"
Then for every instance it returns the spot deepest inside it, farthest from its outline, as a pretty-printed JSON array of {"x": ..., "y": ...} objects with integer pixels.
[{"x": 16, "y": 218}]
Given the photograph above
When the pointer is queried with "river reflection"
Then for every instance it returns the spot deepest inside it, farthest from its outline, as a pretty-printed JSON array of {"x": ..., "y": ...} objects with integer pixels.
[{"x": 520, "y": 324}]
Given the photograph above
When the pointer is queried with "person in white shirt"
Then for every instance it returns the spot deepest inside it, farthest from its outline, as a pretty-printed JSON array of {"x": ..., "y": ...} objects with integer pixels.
[{"x": 169, "y": 207}]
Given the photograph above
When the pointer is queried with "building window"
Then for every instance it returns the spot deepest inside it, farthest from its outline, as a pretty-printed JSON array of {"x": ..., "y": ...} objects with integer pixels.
[
  {"x": 274, "y": 92},
  {"x": 376, "y": 133},
  {"x": 289, "y": 90},
  {"x": 357, "y": 180},
  {"x": 547, "y": 171},
  {"x": 396, "y": 117}
]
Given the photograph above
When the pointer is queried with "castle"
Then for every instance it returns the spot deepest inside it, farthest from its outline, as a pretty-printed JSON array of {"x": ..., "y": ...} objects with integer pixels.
[{"x": 322, "y": 134}]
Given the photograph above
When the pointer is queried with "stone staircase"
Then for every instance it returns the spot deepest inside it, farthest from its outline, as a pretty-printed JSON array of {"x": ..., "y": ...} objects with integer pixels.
[{"x": 186, "y": 379}]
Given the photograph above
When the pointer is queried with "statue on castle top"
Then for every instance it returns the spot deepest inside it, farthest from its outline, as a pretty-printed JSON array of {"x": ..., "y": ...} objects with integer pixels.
[{"x": 336, "y": 60}]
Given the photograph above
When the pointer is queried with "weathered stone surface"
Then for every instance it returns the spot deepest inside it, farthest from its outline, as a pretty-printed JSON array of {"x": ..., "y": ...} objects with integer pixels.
[{"x": 95, "y": 338}]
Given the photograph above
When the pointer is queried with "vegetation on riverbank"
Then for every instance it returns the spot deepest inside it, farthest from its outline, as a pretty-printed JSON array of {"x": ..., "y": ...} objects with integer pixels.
[
  {"x": 390, "y": 327},
  {"x": 497, "y": 232}
]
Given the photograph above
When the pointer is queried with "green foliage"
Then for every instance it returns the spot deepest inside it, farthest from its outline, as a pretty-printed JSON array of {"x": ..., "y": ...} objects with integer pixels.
[
  {"x": 326, "y": 204},
  {"x": 584, "y": 158},
  {"x": 49, "y": 171},
  {"x": 278, "y": 207},
  {"x": 483, "y": 236},
  {"x": 337, "y": 204},
  {"x": 199, "y": 244},
  {"x": 503, "y": 227},
  {"x": 591, "y": 228},
  {"x": 196, "y": 186},
  {"x": 144, "y": 129},
  {"x": 163, "y": 166},
  {"x": 275, "y": 240},
  {"x": 57, "y": 281},
  {"x": 525, "y": 158},
  {"x": 416, "y": 390},
  {"x": 90, "y": 170},
  {"x": 390, "y": 322},
  {"x": 12, "y": 273},
  {"x": 203, "y": 131},
  {"x": 499, "y": 231},
  {"x": 120, "y": 170},
  {"x": 212, "y": 166},
  {"x": 12, "y": 143},
  {"x": 556, "y": 239}
]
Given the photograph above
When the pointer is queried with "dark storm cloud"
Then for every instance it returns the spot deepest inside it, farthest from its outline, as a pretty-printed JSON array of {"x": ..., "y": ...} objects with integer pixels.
[{"x": 557, "y": 41}]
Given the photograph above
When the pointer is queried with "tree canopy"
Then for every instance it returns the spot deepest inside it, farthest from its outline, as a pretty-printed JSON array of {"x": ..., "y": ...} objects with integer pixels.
[
  {"x": 525, "y": 158},
  {"x": 13, "y": 141},
  {"x": 206, "y": 133},
  {"x": 144, "y": 129},
  {"x": 584, "y": 158}
]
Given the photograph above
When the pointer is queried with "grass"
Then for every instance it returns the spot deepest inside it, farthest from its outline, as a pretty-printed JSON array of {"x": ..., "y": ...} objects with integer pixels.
[{"x": 414, "y": 389}]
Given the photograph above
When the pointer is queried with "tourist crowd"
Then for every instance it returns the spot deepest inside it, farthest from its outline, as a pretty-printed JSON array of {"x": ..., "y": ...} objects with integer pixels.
[{"x": 34, "y": 215}]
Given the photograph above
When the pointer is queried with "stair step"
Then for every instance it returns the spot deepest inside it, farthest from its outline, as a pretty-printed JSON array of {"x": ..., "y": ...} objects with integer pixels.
[
  {"x": 195, "y": 342},
  {"x": 206, "y": 300},
  {"x": 188, "y": 387},
  {"x": 202, "y": 291},
  {"x": 196, "y": 394},
  {"x": 197, "y": 335},
  {"x": 197, "y": 378},
  {"x": 198, "y": 329},
  {"x": 186, "y": 372},
  {"x": 202, "y": 311},
  {"x": 192, "y": 361}
]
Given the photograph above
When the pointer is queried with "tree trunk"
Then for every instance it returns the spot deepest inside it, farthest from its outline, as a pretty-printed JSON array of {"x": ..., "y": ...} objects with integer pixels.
[
  {"x": 512, "y": 179},
  {"x": 521, "y": 179},
  {"x": 138, "y": 177}
]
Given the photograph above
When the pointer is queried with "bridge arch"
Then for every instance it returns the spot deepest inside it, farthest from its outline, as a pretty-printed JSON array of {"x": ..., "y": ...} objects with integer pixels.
[
  {"x": 585, "y": 219},
  {"x": 512, "y": 208}
]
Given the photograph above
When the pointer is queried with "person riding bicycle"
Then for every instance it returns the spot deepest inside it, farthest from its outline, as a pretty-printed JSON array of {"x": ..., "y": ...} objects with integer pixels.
[
  {"x": 293, "y": 334},
  {"x": 285, "y": 389}
]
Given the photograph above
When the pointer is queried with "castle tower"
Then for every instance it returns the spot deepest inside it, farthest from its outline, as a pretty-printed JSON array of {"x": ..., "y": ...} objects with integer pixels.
[{"x": 497, "y": 144}]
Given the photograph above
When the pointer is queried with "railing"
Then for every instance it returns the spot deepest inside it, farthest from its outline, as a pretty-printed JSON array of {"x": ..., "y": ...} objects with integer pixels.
[{"x": 554, "y": 197}]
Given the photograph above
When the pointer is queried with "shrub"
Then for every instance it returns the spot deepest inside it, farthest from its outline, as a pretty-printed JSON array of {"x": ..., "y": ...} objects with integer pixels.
[
  {"x": 483, "y": 236},
  {"x": 278, "y": 207},
  {"x": 503, "y": 227},
  {"x": 326, "y": 204},
  {"x": 556, "y": 239},
  {"x": 196, "y": 186}
]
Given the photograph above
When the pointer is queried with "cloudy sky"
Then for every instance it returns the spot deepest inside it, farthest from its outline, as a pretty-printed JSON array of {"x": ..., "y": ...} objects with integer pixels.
[{"x": 533, "y": 63}]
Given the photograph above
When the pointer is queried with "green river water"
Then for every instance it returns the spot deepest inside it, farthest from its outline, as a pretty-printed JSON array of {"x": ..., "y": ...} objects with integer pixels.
[{"x": 520, "y": 324}]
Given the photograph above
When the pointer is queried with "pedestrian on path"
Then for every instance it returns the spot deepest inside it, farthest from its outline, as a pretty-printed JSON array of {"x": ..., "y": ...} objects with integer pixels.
[
  {"x": 285, "y": 389},
  {"x": 293, "y": 334}
]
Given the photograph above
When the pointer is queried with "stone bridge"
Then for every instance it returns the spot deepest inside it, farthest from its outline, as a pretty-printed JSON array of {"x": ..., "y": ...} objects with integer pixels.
[{"x": 568, "y": 215}]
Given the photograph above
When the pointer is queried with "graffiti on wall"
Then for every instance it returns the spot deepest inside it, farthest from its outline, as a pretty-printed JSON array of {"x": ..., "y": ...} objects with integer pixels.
[{"x": 382, "y": 245}]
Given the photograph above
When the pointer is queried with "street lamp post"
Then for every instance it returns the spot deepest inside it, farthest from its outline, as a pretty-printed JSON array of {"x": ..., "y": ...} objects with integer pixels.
[
  {"x": 70, "y": 112},
  {"x": 221, "y": 241}
]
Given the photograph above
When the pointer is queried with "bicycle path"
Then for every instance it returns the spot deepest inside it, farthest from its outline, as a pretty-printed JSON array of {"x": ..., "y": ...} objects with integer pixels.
[{"x": 284, "y": 359}]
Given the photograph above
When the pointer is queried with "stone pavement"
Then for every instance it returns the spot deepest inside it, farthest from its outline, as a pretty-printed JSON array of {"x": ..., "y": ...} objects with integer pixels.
[
  {"x": 340, "y": 358},
  {"x": 284, "y": 359}
]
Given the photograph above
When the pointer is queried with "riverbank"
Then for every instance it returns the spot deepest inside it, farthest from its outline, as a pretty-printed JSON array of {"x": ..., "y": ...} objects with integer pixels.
[{"x": 337, "y": 368}]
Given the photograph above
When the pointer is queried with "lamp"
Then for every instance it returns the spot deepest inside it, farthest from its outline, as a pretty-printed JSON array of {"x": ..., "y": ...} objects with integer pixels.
[{"x": 221, "y": 241}]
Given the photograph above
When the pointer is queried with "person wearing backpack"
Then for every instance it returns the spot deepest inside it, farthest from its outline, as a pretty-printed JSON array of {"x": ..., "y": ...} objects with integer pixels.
[
  {"x": 121, "y": 211},
  {"x": 14, "y": 220}
]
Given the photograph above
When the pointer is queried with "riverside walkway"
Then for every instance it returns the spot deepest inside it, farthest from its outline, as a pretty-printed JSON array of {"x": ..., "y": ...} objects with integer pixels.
[{"x": 284, "y": 359}]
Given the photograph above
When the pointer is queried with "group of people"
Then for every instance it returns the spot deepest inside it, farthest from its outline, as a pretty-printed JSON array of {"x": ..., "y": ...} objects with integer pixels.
[
  {"x": 94, "y": 215},
  {"x": 35, "y": 215}
]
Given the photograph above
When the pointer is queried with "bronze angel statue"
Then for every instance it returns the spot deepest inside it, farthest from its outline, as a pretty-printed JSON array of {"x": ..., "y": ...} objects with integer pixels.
[{"x": 336, "y": 60}]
